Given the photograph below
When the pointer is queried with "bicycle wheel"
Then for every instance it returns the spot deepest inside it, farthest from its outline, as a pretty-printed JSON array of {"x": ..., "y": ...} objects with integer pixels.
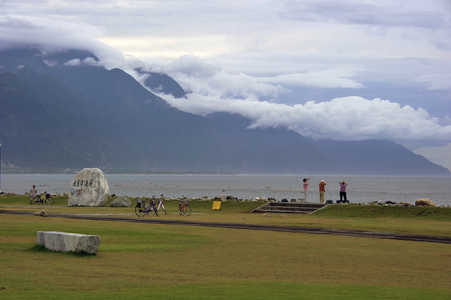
[
  {"x": 153, "y": 210},
  {"x": 139, "y": 211},
  {"x": 186, "y": 211},
  {"x": 147, "y": 209},
  {"x": 49, "y": 201}
]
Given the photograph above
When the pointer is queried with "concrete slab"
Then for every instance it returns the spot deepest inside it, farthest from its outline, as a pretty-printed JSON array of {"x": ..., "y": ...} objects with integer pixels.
[{"x": 64, "y": 241}]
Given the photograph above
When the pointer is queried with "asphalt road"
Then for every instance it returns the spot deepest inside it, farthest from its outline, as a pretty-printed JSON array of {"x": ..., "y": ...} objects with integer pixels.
[{"x": 293, "y": 229}]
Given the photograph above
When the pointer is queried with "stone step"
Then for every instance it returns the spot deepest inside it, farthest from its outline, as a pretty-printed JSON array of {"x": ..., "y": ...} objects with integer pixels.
[
  {"x": 288, "y": 207},
  {"x": 301, "y": 205},
  {"x": 291, "y": 208},
  {"x": 282, "y": 211}
]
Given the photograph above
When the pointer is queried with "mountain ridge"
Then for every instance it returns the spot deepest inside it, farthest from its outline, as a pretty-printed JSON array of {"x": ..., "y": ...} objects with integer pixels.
[{"x": 96, "y": 117}]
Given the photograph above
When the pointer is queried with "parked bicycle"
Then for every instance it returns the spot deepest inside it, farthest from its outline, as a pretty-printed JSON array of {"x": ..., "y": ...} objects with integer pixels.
[
  {"x": 43, "y": 198},
  {"x": 184, "y": 207},
  {"x": 160, "y": 203},
  {"x": 142, "y": 208}
]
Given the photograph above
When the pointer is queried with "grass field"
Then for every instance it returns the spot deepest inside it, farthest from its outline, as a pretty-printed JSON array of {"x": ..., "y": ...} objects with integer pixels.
[{"x": 149, "y": 261}]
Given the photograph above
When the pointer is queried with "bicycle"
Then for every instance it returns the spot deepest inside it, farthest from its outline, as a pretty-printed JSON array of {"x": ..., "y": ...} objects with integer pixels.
[
  {"x": 43, "y": 198},
  {"x": 160, "y": 203},
  {"x": 184, "y": 207},
  {"x": 142, "y": 208}
]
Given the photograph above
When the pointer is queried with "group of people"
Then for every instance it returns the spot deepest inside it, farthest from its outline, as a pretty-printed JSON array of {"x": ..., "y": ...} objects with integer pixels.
[{"x": 322, "y": 190}]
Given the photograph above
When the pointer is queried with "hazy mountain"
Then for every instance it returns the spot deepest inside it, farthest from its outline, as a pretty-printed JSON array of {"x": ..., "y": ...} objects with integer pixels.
[
  {"x": 55, "y": 114},
  {"x": 380, "y": 157},
  {"x": 162, "y": 83},
  {"x": 41, "y": 125}
]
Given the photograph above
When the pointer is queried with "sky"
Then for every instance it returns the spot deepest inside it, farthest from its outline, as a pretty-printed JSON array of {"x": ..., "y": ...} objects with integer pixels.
[{"x": 344, "y": 70}]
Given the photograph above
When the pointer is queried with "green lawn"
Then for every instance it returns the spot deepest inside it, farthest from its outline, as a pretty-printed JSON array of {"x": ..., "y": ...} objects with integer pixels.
[
  {"x": 406, "y": 220},
  {"x": 151, "y": 261}
]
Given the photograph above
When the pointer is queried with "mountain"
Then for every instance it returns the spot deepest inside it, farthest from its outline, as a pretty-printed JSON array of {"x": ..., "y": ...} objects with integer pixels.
[
  {"x": 381, "y": 157},
  {"x": 162, "y": 83},
  {"x": 40, "y": 125},
  {"x": 64, "y": 111}
]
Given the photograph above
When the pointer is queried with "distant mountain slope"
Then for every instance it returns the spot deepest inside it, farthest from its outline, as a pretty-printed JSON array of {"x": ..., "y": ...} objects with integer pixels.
[
  {"x": 378, "y": 158},
  {"x": 281, "y": 150},
  {"x": 59, "y": 115},
  {"x": 162, "y": 83},
  {"x": 39, "y": 121}
]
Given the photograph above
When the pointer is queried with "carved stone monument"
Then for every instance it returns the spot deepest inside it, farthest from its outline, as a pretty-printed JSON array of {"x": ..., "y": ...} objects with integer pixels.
[{"x": 88, "y": 188}]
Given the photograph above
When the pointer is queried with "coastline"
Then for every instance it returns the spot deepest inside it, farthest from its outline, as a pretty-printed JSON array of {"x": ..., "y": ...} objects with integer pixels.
[{"x": 361, "y": 189}]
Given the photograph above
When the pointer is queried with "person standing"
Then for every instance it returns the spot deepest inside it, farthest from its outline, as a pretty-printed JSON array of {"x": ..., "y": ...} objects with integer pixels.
[
  {"x": 305, "y": 184},
  {"x": 33, "y": 193},
  {"x": 322, "y": 190},
  {"x": 343, "y": 186}
]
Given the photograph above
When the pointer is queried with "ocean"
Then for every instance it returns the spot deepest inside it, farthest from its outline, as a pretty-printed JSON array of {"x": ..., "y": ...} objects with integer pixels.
[{"x": 361, "y": 189}]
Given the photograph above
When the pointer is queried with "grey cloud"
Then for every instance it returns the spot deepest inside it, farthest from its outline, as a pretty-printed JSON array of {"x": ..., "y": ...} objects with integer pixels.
[
  {"x": 193, "y": 66},
  {"x": 359, "y": 12},
  {"x": 328, "y": 78},
  {"x": 89, "y": 61},
  {"x": 12, "y": 22},
  {"x": 52, "y": 36}
]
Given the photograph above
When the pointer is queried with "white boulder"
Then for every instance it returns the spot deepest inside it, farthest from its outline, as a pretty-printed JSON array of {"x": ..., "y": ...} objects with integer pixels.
[
  {"x": 425, "y": 202},
  {"x": 121, "y": 201},
  {"x": 89, "y": 188}
]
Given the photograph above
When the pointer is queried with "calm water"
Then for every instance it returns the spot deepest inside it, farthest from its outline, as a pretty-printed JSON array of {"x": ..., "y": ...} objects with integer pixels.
[{"x": 360, "y": 188}]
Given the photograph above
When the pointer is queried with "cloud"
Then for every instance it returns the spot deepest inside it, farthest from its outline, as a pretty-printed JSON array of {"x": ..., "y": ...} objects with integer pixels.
[
  {"x": 436, "y": 81},
  {"x": 53, "y": 36},
  {"x": 347, "y": 118},
  {"x": 382, "y": 13},
  {"x": 88, "y": 61},
  {"x": 329, "y": 78},
  {"x": 193, "y": 66},
  {"x": 50, "y": 35}
]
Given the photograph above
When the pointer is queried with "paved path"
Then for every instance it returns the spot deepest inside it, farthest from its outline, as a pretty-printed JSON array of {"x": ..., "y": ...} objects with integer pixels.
[{"x": 294, "y": 229}]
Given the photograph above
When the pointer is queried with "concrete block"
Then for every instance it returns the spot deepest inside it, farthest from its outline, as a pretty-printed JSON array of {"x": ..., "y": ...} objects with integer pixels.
[{"x": 64, "y": 242}]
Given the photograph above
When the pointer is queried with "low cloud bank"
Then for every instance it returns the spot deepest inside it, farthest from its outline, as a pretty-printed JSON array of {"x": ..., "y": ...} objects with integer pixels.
[{"x": 347, "y": 118}]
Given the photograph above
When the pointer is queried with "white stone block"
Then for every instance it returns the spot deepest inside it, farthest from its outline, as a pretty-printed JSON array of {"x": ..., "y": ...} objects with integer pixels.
[{"x": 64, "y": 242}]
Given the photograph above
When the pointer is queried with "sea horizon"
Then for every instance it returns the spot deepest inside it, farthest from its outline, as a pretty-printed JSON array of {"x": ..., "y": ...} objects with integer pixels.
[{"x": 361, "y": 188}]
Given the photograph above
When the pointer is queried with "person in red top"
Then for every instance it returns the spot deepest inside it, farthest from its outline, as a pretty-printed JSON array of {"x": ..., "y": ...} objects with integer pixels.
[{"x": 322, "y": 190}]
